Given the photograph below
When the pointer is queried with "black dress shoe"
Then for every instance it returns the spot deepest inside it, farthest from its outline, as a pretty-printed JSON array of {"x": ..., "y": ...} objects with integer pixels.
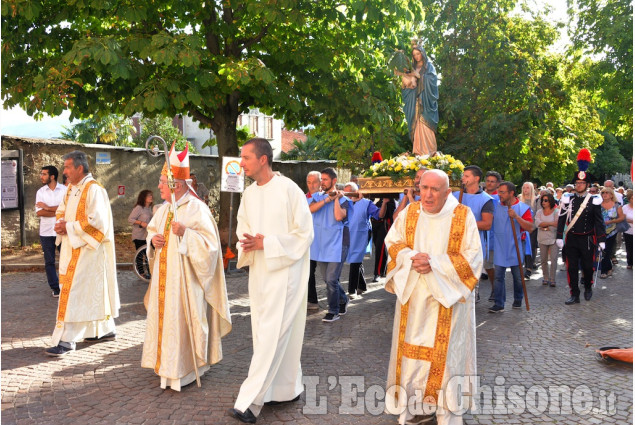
[
  {"x": 572, "y": 300},
  {"x": 108, "y": 337},
  {"x": 275, "y": 403},
  {"x": 588, "y": 294},
  {"x": 246, "y": 417},
  {"x": 376, "y": 278}
]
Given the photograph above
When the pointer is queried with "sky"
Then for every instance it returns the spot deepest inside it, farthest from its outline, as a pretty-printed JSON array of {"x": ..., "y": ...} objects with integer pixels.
[{"x": 16, "y": 122}]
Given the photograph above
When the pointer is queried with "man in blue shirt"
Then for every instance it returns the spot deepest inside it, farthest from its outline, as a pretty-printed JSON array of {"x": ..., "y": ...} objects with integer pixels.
[
  {"x": 509, "y": 209},
  {"x": 492, "y": 180},
  {"x": 480, "y": 204},
  {"x": 361, "y": 210},
  {"x": 331, "y": 240}
]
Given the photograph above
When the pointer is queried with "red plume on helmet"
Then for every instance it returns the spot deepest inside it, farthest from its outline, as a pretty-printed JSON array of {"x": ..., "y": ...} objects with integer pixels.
[
  {"x": 376, "y": 157},
  {"x": 584, "y": 159}
]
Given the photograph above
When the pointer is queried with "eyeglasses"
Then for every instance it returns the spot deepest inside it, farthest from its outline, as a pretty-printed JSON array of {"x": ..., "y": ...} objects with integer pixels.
[{"x": 544, "y": 200}]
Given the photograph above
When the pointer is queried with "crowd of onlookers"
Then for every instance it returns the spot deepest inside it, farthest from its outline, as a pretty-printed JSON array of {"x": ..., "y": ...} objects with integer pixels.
[
  {"x": 617, "y": 207},
  {"x": 364, "y": 224}
]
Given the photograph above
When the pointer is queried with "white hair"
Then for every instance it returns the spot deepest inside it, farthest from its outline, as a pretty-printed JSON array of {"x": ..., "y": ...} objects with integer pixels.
[
  {"x": 315, "y": 174},
  {"x": 353, "y": 186},
  {"x": 442, "y": 175}
]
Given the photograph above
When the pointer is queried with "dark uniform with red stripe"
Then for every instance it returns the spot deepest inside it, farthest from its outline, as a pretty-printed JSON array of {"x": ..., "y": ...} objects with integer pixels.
[{"x": 582, "y": 239}]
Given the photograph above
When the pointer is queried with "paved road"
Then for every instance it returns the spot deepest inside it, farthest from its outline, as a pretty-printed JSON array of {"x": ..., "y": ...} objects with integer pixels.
[{"x": 520, "y": 356}]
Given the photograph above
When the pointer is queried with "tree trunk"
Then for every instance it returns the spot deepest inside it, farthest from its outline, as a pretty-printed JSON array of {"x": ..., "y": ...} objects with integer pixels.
[{"x": 526, "y": 175}]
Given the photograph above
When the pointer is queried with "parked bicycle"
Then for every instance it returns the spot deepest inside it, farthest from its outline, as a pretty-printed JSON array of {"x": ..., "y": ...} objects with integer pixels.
[{"x": 141, "y": 264}]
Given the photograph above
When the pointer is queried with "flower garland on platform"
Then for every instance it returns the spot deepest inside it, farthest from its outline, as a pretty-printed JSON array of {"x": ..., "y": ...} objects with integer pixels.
[{"x": 406, "y": 165}]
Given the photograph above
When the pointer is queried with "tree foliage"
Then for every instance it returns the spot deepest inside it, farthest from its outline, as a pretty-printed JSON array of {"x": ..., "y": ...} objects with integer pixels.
[
  {"x": 310, "y": 62},
  {"x": 109, "y": 130},
  {"x": 311, "y": 149},
  {"x": 305, "y": 61},
  {"x": 505, "y": 102},
  {"x": 608, "y": 159},
  {"x": 162, "y": 126},
  {"x": 604, "y": 29}
]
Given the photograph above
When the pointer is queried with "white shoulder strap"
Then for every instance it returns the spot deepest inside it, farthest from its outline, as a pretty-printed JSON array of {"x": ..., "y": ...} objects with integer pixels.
[{"x": 577, "y": 215}]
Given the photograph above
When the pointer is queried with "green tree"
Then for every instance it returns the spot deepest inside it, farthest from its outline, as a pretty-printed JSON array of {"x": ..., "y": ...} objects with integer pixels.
[
  {"x": 242, "y": 135},
  {"x": 311, "y": 149},
  {"x": 504, "y": 98},
  {"x": 607, "y": 159},
  {"x": 604, "y": 29},
  {"x": 109, "y": 130},
  {"x": 311, "y": 62},
  {"x": 161, "y": 125}
]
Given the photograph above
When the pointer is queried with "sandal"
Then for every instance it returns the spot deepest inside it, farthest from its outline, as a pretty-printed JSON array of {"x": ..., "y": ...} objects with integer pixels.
[
  {"x": 545, "y": 282},
  {"x": 552, "y": 283},
  {"x": 610, "y": 273},
  {"x": 614, "y": 260},
  {"x": 603, "y": 276},
  {"x": 629, "y": 267}
]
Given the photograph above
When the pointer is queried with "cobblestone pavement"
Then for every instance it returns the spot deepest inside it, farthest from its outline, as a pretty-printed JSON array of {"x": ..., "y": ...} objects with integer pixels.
[{"x": 520, "y": 355}]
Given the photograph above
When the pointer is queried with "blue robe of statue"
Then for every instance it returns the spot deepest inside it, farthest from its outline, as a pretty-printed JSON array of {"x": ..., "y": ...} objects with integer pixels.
[{"x": 426, "y": 92}]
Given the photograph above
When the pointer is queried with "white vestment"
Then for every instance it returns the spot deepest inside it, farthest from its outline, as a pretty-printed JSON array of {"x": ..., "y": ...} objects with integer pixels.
[
  {"x": 435, "y": 337},
  {"x": 89, "y": 296},
  {"x": 167, "y": 343},
  {"x": 278, "y": 277}
]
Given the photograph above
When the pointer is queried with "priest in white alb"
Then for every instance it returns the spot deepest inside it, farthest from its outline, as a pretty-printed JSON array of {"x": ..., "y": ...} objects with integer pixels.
[
  {"x": 188, "y": 310},
  {"x": 89, "y": 297},
  {"x": 275, "y": 232},
  {"x": 435, "y": 257}
]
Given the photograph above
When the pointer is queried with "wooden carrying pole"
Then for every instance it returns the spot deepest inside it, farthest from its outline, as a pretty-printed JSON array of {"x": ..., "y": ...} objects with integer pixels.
[
  {"x": 184, "y": 294},
  {"x": 520, "y": 263}
]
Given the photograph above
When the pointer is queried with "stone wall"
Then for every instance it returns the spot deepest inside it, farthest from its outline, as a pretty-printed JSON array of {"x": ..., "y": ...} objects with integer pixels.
[{"x": 130, "y": 167}]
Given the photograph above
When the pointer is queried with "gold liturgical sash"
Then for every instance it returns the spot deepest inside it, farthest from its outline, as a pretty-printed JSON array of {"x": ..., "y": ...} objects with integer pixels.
[
  {"x": 163, "y": 267},
  {"x": 66, "y": 279},
  {"x": 437, "y": 354}
]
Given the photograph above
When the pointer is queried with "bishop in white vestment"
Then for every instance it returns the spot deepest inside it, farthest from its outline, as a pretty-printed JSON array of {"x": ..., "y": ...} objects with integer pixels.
[
  {"x": 89, "y": 297},
  {"x": 275, "y": 232},
  {"x": 187, "y": 268},
  {"x": 435, "y": 255}
]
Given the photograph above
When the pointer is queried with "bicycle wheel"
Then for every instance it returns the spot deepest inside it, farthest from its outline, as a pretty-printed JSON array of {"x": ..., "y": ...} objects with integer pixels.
[{"x": 141, "y": 265}]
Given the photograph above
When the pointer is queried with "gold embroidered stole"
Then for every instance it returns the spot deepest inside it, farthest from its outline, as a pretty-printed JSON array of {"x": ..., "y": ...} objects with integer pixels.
[
  {"x": 163, "y": 266},
  {"x": 437, "y": 354},
  {"x": 66, "y": 280},
  {"x": 82, "y": 217}
]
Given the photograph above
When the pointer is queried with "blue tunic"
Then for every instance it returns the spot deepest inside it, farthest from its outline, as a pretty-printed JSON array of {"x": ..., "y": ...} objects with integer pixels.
[
  {"x": 496, "y": 200},
  {"x": 359, "y": 225},
  {"x": 504, "y": 248},
  {"x": 476, "y": 202},
  {"x": 328, "y": 232}
]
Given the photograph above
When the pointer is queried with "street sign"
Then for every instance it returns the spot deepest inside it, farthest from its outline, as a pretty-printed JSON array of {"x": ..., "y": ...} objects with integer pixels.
[
  {"x": 102, "y": 158},
  {"x": 232, "y": 178}
]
